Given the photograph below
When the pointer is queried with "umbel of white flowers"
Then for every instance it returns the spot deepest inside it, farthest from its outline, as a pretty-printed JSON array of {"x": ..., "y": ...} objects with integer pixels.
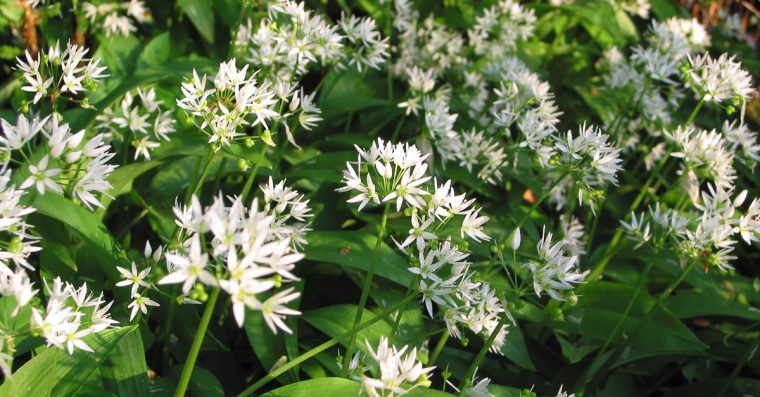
[{"x": 244, "y": 250}]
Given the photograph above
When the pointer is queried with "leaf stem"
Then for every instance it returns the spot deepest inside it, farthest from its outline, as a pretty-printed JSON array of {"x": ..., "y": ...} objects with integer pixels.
[
  {"x": 482, "y": 352},
  {"x": 365, "y": 290},
  {"x": 195, "y": 348}
]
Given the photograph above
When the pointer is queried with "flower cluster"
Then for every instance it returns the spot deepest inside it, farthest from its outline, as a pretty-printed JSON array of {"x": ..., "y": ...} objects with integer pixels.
[
  {"x": 17, "y": 242},
  {"x": 60, "y": 74},
  {"x": 396, "y": 371},
  {"x": 707, "y": 234},
  {"x": 363, "y": 46},
  {"x": 705, "y": 155},
  {"x": 590, "y": 160},
  {"x": 114, "y": 17},
  {"x": 57, "y": 160},
  {"x": 398, "y": 172},
  {"x": 235, "y": 101},
  {"x": 552, "y": 271},
  {"x": 70, "y": 315},
  {"x": 719, "y": 80},
  {"x": 140, "y": 120},
  {"x": 245, "y": 251},
  {"x": 500, "y": 27}
]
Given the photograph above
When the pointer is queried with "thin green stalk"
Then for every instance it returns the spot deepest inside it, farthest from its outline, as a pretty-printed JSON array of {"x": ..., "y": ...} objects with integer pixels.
[
  {"x": 482, "y": 352},
  {"x": 324, "y": 346},
  {"x": 195, "y": 348},
  {"x": 365, "y": 289},
  {"x": 196, "y": 187},
  {"x": 252, "y": 176},
  {"x": 439, "y": 347},
  {"x": 644, "y": 320},
  {"x": 694, "y": 112},
  {"x": 400, "y": 313}
]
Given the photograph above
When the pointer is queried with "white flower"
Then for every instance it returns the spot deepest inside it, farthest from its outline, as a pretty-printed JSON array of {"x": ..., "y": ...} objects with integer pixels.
[
  {"x": 140, "y": 303},
  {"x": 40, "y": 177},
  {"x": 187, "y": 269},
  {"x": 719, "y": 80},
  {"x": 552, "y": 271},
  {"x": 396, "y": 373},
  {"x": 134, "y": 278},
  {"x": 472, "y": 225}
]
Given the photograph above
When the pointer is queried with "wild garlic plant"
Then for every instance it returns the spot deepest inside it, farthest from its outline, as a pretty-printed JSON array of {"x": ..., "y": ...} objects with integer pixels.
[
  {"x": 451, "y": 198},
  {"x": 51, "y": 158},
  {"x": 116, "y": 17},
  {"x": 140, "y": 120},
  {"x": 57, "y": 74}
]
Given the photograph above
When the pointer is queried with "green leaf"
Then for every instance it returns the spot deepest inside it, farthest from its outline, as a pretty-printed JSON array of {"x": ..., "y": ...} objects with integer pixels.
[
  {"x": 603, "y": 304},
  {"x": 88, "y": 226},
  {"x": 202, "y": 382},
  {"x": 337, "y": 387},
  {"x": 57, "y": 373},
  {"x": 121, "y": 179},
  {"x": 336, "y": 320},
  {"x": 516, "y": 350},
  {"x": 354, "y": 249},
  {"x": 690, "y": 304},
  {"x": 126, "y": 369},
  {"x": 156, "y": 52},
  {"x": 201, "y": 15}
]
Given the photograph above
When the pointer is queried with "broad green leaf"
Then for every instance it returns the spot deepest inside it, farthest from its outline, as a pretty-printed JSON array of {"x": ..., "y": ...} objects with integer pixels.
[
  {"x": 516, "y": 350},
  {"x": 121, "y": 179},
  {"x": 55, "y": 372},
  {"x": 156, "y": 52},
  {"x": 690, "y": 304},
  {"x": 201, "y": 15},
  {"x": 602, "y": 306},
  {"x": 337, "y": 387},
  {"x": 324, "y": 167},
  {"x": 347, "y": 92},
  {"x": 354, "y": 249},
  {"x": 336, "y": 320},
  {"x": 86, "y": 225},
  {"x": 126, "y": 370}
]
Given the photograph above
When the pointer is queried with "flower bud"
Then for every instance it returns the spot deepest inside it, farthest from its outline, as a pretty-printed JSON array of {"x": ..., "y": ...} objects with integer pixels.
[{"x": 515, "y": 243}]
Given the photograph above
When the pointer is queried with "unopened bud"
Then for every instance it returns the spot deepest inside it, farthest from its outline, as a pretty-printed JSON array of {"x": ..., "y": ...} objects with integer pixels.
[{"x": 515, "y": 243}]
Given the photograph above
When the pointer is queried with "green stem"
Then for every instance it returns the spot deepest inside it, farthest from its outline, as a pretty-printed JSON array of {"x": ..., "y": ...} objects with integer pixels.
[
  {"x": 439, "y": 347},
  {"x": 204, "y": 173},
  {"x": 195, "y": 348},
  {"x": 252, "y": 176},
  {"x": 643, "y": 321},
  {"x": 365, "y": 289},
  {"x": 319, "y": 349},
  {"x": 694, "y": 112},
  {"x": 482, "y": 352}
]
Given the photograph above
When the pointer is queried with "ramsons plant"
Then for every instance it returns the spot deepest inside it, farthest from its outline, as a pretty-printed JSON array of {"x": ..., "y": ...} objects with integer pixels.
[{"x": 381, "y": 198}]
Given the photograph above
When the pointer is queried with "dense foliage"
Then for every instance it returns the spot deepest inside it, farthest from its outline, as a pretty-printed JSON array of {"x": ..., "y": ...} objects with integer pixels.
[{"x": 380, "y": 197}]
